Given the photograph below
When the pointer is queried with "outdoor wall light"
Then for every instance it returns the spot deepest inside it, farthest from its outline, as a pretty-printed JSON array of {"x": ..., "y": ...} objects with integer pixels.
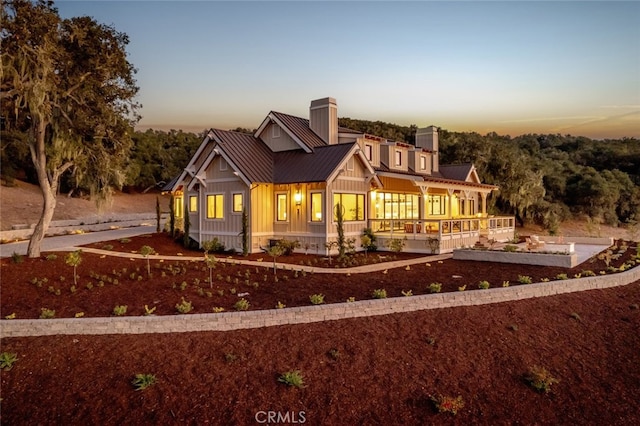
[{"x": 297, "y": 197}]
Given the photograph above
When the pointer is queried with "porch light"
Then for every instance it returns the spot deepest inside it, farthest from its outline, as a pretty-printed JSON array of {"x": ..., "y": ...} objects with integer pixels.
[{"x": 297, "y": 198}]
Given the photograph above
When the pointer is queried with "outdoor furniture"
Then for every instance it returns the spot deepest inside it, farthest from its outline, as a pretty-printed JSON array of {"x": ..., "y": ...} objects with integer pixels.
[{"x": 534, "y": 243}]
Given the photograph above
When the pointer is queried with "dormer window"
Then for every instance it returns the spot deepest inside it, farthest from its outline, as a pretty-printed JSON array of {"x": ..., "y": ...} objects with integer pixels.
[
  {"x": 275, "y": 131},
  {"x": 423, "y": 162},
  {"x": 368, "y": 152},
  {"x": 398, "y": 155}
]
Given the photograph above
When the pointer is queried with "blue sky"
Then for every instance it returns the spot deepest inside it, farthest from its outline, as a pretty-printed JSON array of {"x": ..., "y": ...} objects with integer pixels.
[{"x": 511, "y": 67}]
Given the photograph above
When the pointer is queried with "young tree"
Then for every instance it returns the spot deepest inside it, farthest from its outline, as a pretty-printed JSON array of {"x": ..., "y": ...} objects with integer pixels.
[{"x": 69, "y": 86}]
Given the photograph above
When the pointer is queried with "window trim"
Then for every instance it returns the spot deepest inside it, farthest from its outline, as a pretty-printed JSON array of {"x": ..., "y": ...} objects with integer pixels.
[
  {"x": 322, "y": 210},
  {"x": 193, "y": 207},
  {"x": 359, "y": 195},
  {"x": 423, "y": 162},
  {"x": 398, "y": 157},
  {"x": 368, "y": 151}
]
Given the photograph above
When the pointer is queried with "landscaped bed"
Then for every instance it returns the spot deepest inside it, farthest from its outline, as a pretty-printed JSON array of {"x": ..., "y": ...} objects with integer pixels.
[
  {"x": 105, "y": 284},
  {"x": 391, "y": 369}
]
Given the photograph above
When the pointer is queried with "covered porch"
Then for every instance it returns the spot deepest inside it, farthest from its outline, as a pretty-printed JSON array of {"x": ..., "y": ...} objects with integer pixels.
[{"x": 442, "y": 235}]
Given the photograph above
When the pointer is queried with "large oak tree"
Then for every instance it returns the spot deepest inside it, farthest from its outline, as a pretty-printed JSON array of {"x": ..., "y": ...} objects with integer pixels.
[{"x": 68, "y": 85}]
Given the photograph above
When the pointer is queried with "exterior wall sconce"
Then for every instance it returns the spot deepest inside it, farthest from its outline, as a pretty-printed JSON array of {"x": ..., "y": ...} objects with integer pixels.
[{"x": 297, "y": 197}]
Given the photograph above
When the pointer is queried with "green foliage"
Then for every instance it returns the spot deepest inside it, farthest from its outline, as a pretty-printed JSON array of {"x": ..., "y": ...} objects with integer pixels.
[
  {"x": 316, "y": 299},
  {"x": 119, "y": 310},
  {"x": 275, "y": 252},
  {"x": 510, "y": 249},
  {"x": 158, "y": 214},
  {"x": 16, "y": 258},
  {"x": 186, "y": 238},
  {"x": 149, "y": 312},
  {"x": 396, "y": 244},
  {"x": 241, "y": 305},
  {"x": 435, "y": 287},
  {"x": 483, "y": 285},
  {"x": 46, "y": 313},
  {"x": 339, "y": 215},
  {"x": 245, "y": 232},
  {"x": 524, "y": 279},
  {"x": 287, "y": 246},
  {"x": 407, "y": 293},
  {"x": 51, "y": 256},
  {"x": 369, "y": 244},
  {"x": 213, "y": 246},
  {"x": 540, "y": 379},
  {"x": 172, "y": 215},
  {"x": 184, "y": 307},
  {"x": 146, "y": 251},
  {"x": 292, "y": 378},
  {"x": 7, "y": 359},
  {"x": 379, "y": 293},
  {"x": 143, "y": 381}
]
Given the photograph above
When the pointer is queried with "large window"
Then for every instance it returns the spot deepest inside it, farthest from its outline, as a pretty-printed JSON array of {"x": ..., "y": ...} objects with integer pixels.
[
  {"x": 193, "y": 203},
  {"x": 178, "y": 206},
  {"x": 436, "y": 205},
  {"x": 316, "y": 207},
  {"x": 388, "y": 205},
  {"x": 282, "y": 206},
  {"x": 352, "y": 205},
  {"x": 238, "y": 203},
  {"x": 215, "y": 206}
]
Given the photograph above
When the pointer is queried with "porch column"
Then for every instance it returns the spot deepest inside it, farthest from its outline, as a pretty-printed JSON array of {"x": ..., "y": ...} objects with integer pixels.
[
  {"x": 450, "y": 203},
  {"x": 483, "y": 197}
]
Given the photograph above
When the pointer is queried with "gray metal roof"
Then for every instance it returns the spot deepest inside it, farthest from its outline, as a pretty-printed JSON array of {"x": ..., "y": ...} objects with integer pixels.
[
  {"x": 299, "y": 166},
  {"x": 300, "y": 127},
  {"x": 456, "y": 171},
  {"x": 249, "y": 154}
]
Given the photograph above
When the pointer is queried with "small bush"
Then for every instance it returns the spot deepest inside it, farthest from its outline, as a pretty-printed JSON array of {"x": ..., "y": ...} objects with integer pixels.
[
  {"x": 292, "y": 378},
  {"x": 288, "y": 246},
  {"x": 143, "y": 381},
  {"x": 510, "y": 248},
  {"x": 483, "y": 285},
  {"x": 448, "y": 404},
  {"x": 316, "y": 299},
  {"x": 124, "y": 240},
  {"x": 435, "y": 287},
  {"x": 107, "y": 247},
  {"x": 46, "y": 313},
  {"x": 16, "y": 258},
  {"x": 241, "y": 305},
  {"x": 280, "y": 305},
  {"x": 462, "y": 288},
  {"x": 217, "y": 309},
  {"x": 119, "y": 310},
  {"x": 351, "y": 299},
  {"x": 51, "y": 256},
  {"x": 505, "y": 283},
  {"x": 184, "y": 307},
  {"x": 540, "y": 379},
  {"x": 379, "y": 293},
  {"x": 334, "y": 354},
  {"x": 562, "y": 277},
  {"x": 7, "y": 359},
  {"x": 213, "y": 246},
  {"x": 524, "y": 279},
  {"x": 396, "y": 245},
  {"x": 407, "y": 293}
]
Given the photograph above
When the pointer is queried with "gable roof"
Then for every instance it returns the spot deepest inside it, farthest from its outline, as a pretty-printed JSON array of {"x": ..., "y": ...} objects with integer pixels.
[
  {"x": 457, "y": 171},
  {"x": 298, "y": 166},
  {"x": 300, "y": 127},
  {"x": 249, "y": 154}
]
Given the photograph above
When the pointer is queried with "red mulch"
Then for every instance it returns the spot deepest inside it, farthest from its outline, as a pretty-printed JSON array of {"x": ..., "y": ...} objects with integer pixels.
[{"x": 387, "y": 369}]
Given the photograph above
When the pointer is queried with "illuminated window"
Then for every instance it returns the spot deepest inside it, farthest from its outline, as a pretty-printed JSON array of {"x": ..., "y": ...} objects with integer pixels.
[
  {"x": 436, "y": 205},
  {"x": 178, "y": 206},
  {"x": 398, "y": 158},
  {"x": 387, "y": 205},
  {"x": 316, "y": 207},
  {"x": 282, "y": 207},
  {"x": 472, "y": 207},
  {"x": 368, "y": 152},
  {"x": 193, "y": 203},
  {"x": 238, "y": 204},
  {"x": 352, "y": 206},
  {"x": 461, "y": 206},
  {"x": 215, "y": 206}
]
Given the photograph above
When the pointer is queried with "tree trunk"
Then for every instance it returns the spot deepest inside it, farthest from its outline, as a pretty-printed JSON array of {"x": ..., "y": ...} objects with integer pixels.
[{"x": 48, "y": 188}]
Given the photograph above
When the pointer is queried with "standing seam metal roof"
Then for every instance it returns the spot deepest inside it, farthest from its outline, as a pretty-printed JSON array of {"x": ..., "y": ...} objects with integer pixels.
[
  {"x": 249, "y": 154},
  {"x": 300, "y": 127}
]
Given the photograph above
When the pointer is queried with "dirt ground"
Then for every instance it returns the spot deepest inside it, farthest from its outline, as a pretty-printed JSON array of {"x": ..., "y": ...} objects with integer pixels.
[
  {"x": 22, "y": 204},
  {"x": 366, "y": 371}
]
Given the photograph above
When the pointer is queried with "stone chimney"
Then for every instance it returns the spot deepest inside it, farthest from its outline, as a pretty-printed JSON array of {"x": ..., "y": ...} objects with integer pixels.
[
  {"x": 323, "y": 119},
  {"x": 427, "y": 138}
]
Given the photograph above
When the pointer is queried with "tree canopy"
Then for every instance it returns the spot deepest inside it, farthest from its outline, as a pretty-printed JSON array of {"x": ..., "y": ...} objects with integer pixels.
[{"x": 68, "y": 94}]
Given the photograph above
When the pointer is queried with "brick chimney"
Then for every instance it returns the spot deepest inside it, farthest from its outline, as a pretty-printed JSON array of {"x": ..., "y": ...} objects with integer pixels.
[
  {"x": 427, "y": 138},
  {"x": 323, "y": 119}
]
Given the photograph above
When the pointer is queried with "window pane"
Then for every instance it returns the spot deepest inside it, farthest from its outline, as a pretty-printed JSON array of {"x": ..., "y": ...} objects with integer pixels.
[
  {"x": 178, "y": 207},
  {"x": 211, "y": 206},
  {"x": 360, "y": 207},
  {"x": 237, "y": 203},
  {"x": 219, "y": 206},
  {"x": 316, "y": 207},
  {"x": 193, "y": 203},
  {"x": 281, "y": 203}
]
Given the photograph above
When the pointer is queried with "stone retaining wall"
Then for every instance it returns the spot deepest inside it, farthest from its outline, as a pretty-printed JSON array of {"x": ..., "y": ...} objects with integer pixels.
[
  {"x": 543, "y": 259},
  {"x": 306, "y": 314}
]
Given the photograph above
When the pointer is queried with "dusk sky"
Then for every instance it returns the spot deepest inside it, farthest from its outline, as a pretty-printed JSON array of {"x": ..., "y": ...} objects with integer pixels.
[{"x": 512, "y": 67}]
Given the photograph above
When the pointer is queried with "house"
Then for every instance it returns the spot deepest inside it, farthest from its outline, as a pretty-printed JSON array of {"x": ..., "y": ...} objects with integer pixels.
[{"x": 290, "y": 175}]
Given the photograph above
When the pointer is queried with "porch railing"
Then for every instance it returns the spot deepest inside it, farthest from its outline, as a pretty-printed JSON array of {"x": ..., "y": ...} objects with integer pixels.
[{"x": 488, "y": 226}]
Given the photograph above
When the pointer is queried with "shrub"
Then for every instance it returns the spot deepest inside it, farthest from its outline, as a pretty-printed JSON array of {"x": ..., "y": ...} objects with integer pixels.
[
  {"x": 334, "y": 354},
  {"x": 351, "y": 299},
  {"x": 483, "y": 285},
  {"x": 540, "y": 379},
  {"x": 46, "y": 313},
  {"x": 462, "y": 288},
  {"x": 396, "y": 245},
  {"x": 372, "y": 239},
  {"x": 524, "y": 279},
  {"x": 448, "y": 404},
  {"x": 51, "y": 256},
  {"x": 288, "y": 246},
  {"x": 16, "y": 257},
  {"x": 184, "y": 307},
  {"x": 435, "y": 287},
  {"x": 280, "y": 305},
  {"x": 292, "y": 378},
  {"x": 241, "y": 305},
  {"x": 107, "y": 247},
  {"x": 74, "y": 259},
  {"x": 213, "y": 246},
  {"x": 217, "y": 309},
  {"x": 143, "y": 381},
  {"x": 119, "y": 310},
  {"x": 407, "y": 293},
  {"x": 510, "y": 249},
  {"x": 316, "y": 299},
  {"x": 7, "y": 359},
  {"x": 124, "y": 240},
  {"x": 379, "y": 293},
  {"x": 562, "y": 277},
  {"x": 505, "y": 283}
]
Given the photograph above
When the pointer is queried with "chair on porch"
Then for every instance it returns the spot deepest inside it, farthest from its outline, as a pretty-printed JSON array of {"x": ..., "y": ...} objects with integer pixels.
[{"x": 534, "y": 243}]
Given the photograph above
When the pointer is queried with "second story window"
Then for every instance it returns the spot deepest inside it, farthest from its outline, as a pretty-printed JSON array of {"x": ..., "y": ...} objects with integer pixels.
[
  {"x": 368, "y": 152},
  {"x": 398, "y": 155}
]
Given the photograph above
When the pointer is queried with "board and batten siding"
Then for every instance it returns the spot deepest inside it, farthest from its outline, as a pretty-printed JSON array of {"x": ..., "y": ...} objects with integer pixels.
[
  {"x": 277, "y": 139},
  {"x": 261, "y": 215}
]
